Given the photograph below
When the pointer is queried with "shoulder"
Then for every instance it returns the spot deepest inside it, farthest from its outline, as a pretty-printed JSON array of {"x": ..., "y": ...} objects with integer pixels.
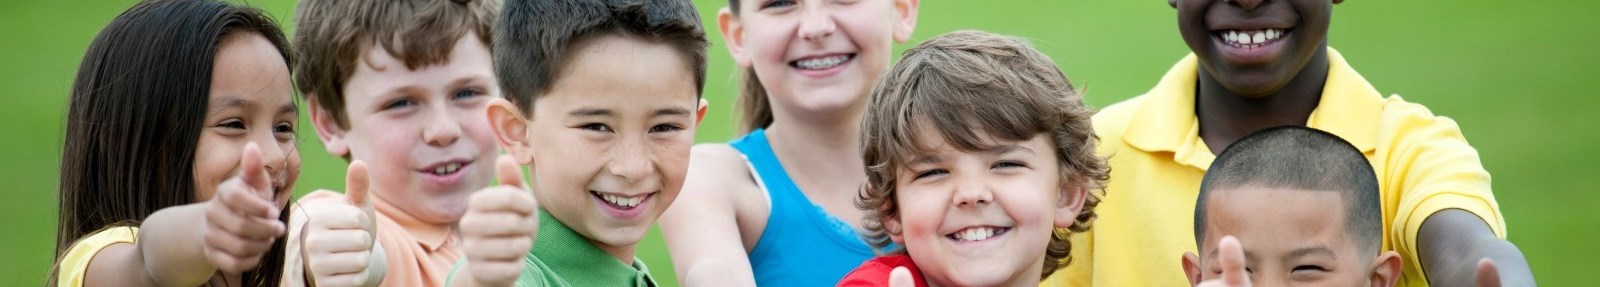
[
  {"x": 1406, "y": 126},
  {"x": 718, "y": 166},
  {"x": 74, "y": 263},
  {"x": 1111, "y": 121}
]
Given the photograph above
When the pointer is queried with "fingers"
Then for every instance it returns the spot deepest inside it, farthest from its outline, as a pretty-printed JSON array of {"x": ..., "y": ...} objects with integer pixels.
[
  {"x": 506, "y": 170},
  {"x": 356, "y": 183},
  {"x": 253, "y": 173},
  {"x": 338, "y": 248},
  {"x": 901, "y": 277},
  {"x": 1488, "y": 274},
  {"x": 1231, "y": 258},
  {"x": 490, "y": 273},
  {"x": 502, "y": 198}
]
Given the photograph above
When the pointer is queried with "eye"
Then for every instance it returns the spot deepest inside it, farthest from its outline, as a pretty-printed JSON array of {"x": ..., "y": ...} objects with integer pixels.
[
  {"x": 777, "y": 4},
  {"x": 1303, "y": 268},
  {"x": 466, "y": 93},
  {"x": 930, "y": 173},
  {"x": 599, "y": 127},
  {"x": 232, "y": 124},
  {"x": 400, "y": 103},
  {"x": 283, "y": 127},
  {"x": 1008, "y": 164},
  {"x": 661, "y": 128}
]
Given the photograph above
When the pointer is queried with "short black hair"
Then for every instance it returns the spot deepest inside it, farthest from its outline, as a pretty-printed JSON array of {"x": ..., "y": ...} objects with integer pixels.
[
  {"x": 1302, "y": 158},
  {"x": 534, "y": 37}
]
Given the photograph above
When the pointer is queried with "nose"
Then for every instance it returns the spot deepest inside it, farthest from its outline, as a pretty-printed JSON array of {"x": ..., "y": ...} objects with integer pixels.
[
  {"x": 816, "y": 23},
  {"x": 442, "y": 129},
  {"x": 971, "y": 192},
  {"x": 274, "y": 155},
  {"x": 1248, "y": 5},
  {"x": 630, "y": 160}
]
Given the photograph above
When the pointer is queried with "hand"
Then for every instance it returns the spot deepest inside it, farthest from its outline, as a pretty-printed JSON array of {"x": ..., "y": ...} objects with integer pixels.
[
  {"x": 339, "y": 235},
  {"x": 1231, "y": 257},
  {"x": 241, "y": 219},
  {"x": 901, "y": 277},
  {"x": 1488, "y": 274},
  {"x": 499, "y": 227}
]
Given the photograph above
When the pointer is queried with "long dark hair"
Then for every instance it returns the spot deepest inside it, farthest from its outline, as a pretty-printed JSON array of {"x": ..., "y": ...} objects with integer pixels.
[{"x": 137, "y": 110}]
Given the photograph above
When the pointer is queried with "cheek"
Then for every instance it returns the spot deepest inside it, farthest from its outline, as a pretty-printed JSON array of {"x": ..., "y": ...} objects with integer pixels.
[
  {"x": 214, "y": 162},
  {"x": 921, "y": 212}
]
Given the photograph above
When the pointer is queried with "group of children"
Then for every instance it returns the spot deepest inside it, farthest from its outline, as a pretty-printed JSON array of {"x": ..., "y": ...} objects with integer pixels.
[{"x": 1261, "y": 159}]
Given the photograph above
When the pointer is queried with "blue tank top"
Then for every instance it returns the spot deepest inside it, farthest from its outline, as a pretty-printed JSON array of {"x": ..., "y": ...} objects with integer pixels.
[{"x": 802, "y": 244}]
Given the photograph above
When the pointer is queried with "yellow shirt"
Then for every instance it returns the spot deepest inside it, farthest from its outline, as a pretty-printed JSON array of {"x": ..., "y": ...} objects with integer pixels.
[
  {"x": 75, "y": 264},
  {"x": 1146, "y": 222}
]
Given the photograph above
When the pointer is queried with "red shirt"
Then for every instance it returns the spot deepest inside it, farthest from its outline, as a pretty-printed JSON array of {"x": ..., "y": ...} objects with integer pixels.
[{"x": 875, "y": 272}]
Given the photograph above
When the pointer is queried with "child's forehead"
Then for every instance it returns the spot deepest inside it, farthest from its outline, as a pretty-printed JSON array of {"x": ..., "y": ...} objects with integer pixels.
[{"x": 1276, "y": 214}]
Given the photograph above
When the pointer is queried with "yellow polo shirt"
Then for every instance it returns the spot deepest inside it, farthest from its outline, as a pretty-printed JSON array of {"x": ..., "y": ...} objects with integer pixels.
[{"x": 1146, "y": 222}]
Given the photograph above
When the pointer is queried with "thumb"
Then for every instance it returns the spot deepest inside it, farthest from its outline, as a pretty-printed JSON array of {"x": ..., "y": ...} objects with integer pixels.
[
  {"x": 1488, "y": 274},
  {"x": 1231, "y": 257},
  {"x": 901, "y": 277},
  {"x": 506, "y": 170},
  {"x": 355, "y": 184},
  {"x": 253, "y": 173}
]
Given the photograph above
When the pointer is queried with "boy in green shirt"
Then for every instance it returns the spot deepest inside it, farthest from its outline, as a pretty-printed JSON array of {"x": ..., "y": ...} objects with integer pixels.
[{"x": 604, "y": 97}]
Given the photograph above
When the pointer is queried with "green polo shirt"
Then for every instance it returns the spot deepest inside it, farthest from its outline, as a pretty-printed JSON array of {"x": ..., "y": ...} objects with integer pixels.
[{"x": 563, "y": 258}]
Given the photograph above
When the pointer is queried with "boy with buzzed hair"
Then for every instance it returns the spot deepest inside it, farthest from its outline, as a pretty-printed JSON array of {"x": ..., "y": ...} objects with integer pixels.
[
  {"x": 1303, "y": 202},
  {"x": 1258, "y": 64},
  {"x": 604, "y": 98}
]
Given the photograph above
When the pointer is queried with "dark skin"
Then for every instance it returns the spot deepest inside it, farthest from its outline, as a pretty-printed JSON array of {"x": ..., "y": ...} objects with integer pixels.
[{"x": 1243, "y": 88}]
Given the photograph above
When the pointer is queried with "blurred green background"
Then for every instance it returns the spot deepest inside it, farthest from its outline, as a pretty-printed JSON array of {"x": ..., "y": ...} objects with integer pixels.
[{"x": 1514, "y": 74}]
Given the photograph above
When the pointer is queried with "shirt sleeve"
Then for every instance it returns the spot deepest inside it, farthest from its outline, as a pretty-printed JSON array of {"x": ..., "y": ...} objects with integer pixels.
[
  {"x": 1433, "y": 169},
  {"x": 75, "y": 263}
]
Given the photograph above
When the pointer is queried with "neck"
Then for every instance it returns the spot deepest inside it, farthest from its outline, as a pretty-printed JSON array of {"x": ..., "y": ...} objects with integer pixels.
[
  {"x": 823, "y": 147},
  {"x": 623, "y": 253},
  {"x": 1226, "y": 116}
]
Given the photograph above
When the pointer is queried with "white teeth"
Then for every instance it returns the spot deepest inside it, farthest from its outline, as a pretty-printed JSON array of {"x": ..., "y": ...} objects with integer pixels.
[
  {"x": 447, "y": 169},
  {"x": 821, "y": 63},
  {"x": 974, "y": 234},
  {"x": 625, "y": 202},
  {"x": 1253, "y": 37}
]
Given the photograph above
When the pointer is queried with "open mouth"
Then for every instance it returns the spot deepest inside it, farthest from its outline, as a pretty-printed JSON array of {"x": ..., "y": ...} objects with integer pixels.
[
  {"x": 621, "y": 202},
  {"x": 1251, "y": 39},
  {"x": 977, "y": 233},
  {"x": 447, "y": 168},
  {"x": 822, "y": 62}
]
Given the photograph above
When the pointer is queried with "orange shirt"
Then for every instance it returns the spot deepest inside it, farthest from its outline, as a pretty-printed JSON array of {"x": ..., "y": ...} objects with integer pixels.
[{"x": 419, "y": 253}]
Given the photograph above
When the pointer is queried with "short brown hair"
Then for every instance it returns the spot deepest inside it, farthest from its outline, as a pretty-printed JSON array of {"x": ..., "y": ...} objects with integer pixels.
[
  {"x": 536, "y": 37},
  {"x": 331, "y": 35},
  {"x": 968, "y": 85}
]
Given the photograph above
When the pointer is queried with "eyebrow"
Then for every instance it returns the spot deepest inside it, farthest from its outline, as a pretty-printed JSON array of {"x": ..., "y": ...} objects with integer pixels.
[
  {"x": 1312, "y": 250},
  {"x": 600, "y": 112},
  {"x": 230, "y": 101},
  {"x": 992, "y": 150}
]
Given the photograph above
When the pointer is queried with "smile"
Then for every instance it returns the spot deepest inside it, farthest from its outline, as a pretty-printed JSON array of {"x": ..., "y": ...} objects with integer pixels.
[
  {"x": 822, "y": 63},
  {"x": 621, "y": 202},
  {"x": 1251, "y": 38},
  {"x": 977, "y": 233}
]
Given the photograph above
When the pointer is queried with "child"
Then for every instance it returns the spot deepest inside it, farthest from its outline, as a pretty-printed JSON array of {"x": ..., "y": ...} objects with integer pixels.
[
  {"x": 604, "y": 100},
  {"x": 973, "y": 198},
  {"x": 1259, "y": 64},
  {"x": 180, "y": 151},
  {"x": 1297, "y": 237},
  {"x": 766, "y": 209},
  {"x": 398, "y": 87}
]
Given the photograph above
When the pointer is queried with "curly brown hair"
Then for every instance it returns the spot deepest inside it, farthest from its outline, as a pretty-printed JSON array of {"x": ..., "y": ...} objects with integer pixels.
[{"x": 969, "y": 86}]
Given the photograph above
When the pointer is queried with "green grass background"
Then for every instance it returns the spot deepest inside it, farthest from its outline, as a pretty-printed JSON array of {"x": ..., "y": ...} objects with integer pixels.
[{"x": 1516, "y": 75}]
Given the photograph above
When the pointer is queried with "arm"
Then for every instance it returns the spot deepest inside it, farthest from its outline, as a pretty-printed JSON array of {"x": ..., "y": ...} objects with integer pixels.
[
  {"x": 1453, "y": 241},
  {"x": 702, "y": 229}
]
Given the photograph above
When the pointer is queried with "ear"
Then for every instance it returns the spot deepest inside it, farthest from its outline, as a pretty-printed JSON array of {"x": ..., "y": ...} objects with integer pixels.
[
  {"x": 906, "y": 10},
  {"x": 733, "y": 32},
  {"x": 1070, "y": 203},
  {"x": 700, "y": 112},
  {"x": 1191, "y": 268},
  {"x": 892, "y": 227},
  {"x": 328, "y": 129},
  {"x": 510, "y": 129},
  {"x": 1386, "y": 269}
]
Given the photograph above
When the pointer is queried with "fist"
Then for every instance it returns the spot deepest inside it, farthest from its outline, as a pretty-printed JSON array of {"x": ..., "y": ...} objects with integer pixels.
[
  {"x": 241, "y": 219},
  {"x": 499, "y": 227},
  {"x": 339, "y": 235}
]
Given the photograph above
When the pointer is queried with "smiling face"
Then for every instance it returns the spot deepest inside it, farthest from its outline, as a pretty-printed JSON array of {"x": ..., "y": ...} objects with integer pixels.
[
  {"x": 250, "y": 101},
  {"x": 1298, "y": 240},
  {"x": 422, "y": 132},
  {"x": 981, "y": 218},
  {"x": 609, "y": 143},
  {"x": 816, "y": 56},
  {"x": 1254, "y": 47}
]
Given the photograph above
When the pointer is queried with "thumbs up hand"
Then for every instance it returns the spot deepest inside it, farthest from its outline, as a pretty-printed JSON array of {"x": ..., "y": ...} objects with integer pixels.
[
  {"x": 339, "y": 240},
  {"x": 241, "y": 219},
  {"x": 901, "y": 277},
  {"x": 499, "y": 227},
  {"x": 1231, "y": 257}
]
